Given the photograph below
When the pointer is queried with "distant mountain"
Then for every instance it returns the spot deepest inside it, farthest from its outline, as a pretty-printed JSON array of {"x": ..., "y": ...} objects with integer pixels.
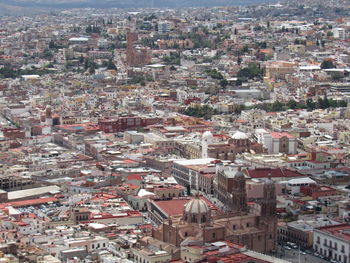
[
  {"x": 44, "y": 4},
  {"x": 8, "y": 10}
]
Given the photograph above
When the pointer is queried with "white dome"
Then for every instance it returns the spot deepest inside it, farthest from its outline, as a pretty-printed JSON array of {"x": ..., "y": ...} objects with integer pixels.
[
  {"x": 239, "y": 136},
  {"x": 239, "y": 174},
  {"x": 207, "y": 135},
  {"x": 196, "y": 206}
]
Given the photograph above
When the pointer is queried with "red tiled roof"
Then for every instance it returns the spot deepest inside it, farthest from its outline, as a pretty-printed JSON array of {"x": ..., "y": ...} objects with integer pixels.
[
  {"x": 37, "y": 201},
  {"x": 136, "y": 177},
  {"x": 273, "y": 173},
  {"x": 340, "y": 231},
  {"x": 172, "y": 207},
  {"x": 175, "y": 207},
  {"x": 278, "y": 135}
]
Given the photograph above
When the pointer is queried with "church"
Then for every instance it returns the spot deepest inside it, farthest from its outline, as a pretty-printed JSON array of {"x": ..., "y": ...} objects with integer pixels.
[
  {"x": 253, "y": 226},
  {"x": 227, "y": 150}
]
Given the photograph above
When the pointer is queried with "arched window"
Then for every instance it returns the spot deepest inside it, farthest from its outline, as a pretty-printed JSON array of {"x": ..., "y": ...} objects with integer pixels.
[{"x": 194, "y": 219}]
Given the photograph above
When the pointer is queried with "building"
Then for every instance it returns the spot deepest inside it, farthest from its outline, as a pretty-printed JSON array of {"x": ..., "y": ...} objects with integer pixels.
[
  {"x": 339, "y": 32},
  {"x": 280, "y": 142},
  {"x": 237, "y": 144},
  {"x": 198, "y": 225},
  {"x": 121, "y": 124},
  {"x": 164, "y": 27},
  {"x": 333, "y": 242},
  {"x": 193, "y": 173},
  {"x": 136, "y": 55}
]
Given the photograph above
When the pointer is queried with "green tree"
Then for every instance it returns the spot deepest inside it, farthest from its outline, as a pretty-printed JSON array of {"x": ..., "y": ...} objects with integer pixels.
[
  {"x": 292, "y": 104},
  {"x": 310, "y": 104},
  {"x": 111, "y": 65},
  {"x": 326, "y": 64},
  {"x": 250, "y": 72},
  {"x": 223, "y": 83},
  {"x": 52, "y": 44}
]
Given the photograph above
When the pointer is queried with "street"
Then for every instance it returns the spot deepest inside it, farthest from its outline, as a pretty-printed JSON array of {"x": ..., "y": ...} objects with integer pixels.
[{"x": 292, "y": 256}]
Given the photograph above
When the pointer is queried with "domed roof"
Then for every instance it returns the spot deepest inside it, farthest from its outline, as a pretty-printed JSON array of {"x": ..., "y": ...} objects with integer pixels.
[
  {"x": 239, "y": 136},
  {"x": 207, "y": 134},
  {"x": 239, "y": 174},
  {"x": 196, "y": 206}
]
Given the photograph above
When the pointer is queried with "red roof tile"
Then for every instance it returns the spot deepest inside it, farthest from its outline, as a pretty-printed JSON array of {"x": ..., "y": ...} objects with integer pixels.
[{"x": 273, "y": 173}]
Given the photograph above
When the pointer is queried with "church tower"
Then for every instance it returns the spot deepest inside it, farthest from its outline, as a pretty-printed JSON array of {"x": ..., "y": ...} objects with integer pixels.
[
  {"x": 207, "y": 139},
  {"x": 268, "y": 218},
  {"x": 48, "y": 115},
  {"x": 268, "y": 204},
  {"x": 239, "y": 194}
]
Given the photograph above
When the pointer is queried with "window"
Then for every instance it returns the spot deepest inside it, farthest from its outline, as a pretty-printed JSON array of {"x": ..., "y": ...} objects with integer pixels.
[
  {"x": 214, "y": 235},
  {"x": 234, "y": 227}
]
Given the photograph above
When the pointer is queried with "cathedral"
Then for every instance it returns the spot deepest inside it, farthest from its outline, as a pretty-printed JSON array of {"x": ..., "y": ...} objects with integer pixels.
[
  {"x": 227, "y": 150},
  {"x": 253, "y": 226}
]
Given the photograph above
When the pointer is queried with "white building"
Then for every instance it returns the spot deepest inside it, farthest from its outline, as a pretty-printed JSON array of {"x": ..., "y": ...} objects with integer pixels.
[
  {"x": 339, "y": 33},
  {"x": 293, "y": 185},
  {"x": 207, "y": 139},
  {"x": 333, "y": 242},
  {"x": 280, "y": 142},
  {"x": 164, "y": 27}
]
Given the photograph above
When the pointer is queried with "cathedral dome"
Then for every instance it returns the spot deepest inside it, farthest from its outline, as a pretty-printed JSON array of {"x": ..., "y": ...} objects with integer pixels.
[
  {"x": 196, "y": 206},
  {"x": 207, "y": 135},
  {"x": 239, "y": 174},
  {"x": 239, "y": 136},
  {"x": 196, "y": 211}
]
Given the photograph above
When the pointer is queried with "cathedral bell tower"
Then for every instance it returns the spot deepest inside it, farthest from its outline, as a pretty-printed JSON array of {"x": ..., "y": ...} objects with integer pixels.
[
  {"x": 268, "y": 218},
  {"x": 268, "y": 204},
  {"x": 239, "y": 195}
]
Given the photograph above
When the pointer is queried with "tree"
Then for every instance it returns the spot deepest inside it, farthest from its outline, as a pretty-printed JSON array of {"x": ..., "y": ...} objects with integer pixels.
[
  {"x": 92, "y": 71},
  {"x": 81, "y": 59},
  {"x": 223, "y": 83},
  {"x": 111, "y": 65},
  {"x": 320, "y": 103},
  {"x": 292, "y": 104},
  {"x": 204, "y": 111},
  {"x": 245, "y": 49},
  {"x": 250, "y": 72},
  {"x": 326, "y": 64},
  {"x": 310, "y": 104},
  {"x": 215, "y": 74},
  {"x": 52, "y": 44},
  {"x": 277, "y": 106}
]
